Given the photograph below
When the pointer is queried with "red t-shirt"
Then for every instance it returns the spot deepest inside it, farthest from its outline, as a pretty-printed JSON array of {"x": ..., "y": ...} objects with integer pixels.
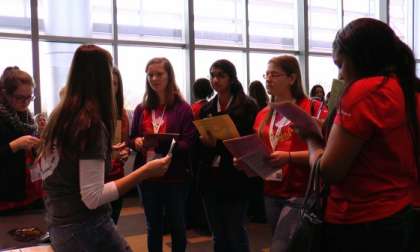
[
  {"x": 196, "y": 107},
  {"x": 379, "y": 180},
  {"x": 295, "y": 176}
]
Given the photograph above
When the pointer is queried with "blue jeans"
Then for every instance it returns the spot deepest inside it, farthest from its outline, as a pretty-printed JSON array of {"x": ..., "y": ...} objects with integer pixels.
[
  {"x": 169, "y": 199},
  {"x": 273, "y": 207},
  {"x": 227, "y": 223},
  {"x": 96, "y": 234}
]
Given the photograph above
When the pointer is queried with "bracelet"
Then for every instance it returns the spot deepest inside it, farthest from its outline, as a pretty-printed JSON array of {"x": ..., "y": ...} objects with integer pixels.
[{"x": 290, "y": 158}]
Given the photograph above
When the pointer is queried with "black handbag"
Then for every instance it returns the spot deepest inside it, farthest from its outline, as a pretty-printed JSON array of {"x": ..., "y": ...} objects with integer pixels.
[{"x": 299, "y": 227}]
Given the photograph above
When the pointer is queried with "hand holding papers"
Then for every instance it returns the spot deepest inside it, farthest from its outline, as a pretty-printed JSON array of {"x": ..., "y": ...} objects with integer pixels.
[
  {"x": 171, "y": 147},
  {"x": 337, "y": 90},
  {"x": 220, "y": 127},
  {"x": 252, "y": 151},
  {"x": 307, "y": 126}
]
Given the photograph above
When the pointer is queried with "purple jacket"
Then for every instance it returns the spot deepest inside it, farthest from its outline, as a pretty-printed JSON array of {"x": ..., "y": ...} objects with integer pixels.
[{"x": 178, "y": 119}]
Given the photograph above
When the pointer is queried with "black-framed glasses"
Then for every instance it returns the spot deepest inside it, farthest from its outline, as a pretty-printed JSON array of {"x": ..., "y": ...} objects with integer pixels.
[{"x": 23, "y": 98}]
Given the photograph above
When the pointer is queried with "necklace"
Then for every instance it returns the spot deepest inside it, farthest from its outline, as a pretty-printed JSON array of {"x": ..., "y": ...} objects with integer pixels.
[{"x": 157, "y": 122}]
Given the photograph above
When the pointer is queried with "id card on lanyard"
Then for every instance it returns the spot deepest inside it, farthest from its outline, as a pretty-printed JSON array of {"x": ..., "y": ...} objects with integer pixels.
[
  {"x": 156, "y": 123},
  {"x": 216, "y": 160}
]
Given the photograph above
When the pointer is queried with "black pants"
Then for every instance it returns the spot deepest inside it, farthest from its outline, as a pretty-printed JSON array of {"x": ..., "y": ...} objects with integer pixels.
[{"x": 389, "y": 234}]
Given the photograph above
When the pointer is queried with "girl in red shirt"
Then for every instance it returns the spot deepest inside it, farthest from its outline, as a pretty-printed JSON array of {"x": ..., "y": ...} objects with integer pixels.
[
  {"x": 370, "y": 155},
  {"x": 202, "y": 91},
  {"x": 284, "y": 83}
]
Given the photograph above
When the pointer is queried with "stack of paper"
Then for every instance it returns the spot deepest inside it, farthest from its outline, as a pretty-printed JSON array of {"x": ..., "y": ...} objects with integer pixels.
[{"x": 252, "y": 151}]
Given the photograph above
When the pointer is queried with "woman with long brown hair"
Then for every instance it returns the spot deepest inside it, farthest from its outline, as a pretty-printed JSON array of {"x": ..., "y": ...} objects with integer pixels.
[
  {"x": 76, "y": 155},
  {"x": 163, "y": 110},
  {"x": 289, "y": 151}
]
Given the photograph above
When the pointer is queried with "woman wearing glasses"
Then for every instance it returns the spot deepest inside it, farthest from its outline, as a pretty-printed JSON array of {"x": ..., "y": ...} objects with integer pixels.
[
  {"x": 163, "y": 110},
  {"x": 17, "y": 143},
  {"x": 225, "y": 189},
  {"x": 289, "y": 151}
]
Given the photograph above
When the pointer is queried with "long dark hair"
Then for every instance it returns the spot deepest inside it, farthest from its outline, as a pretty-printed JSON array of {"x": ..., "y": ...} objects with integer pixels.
[
  {"x": 229, "y": 68},
  {"x": 375, "y": 50},
  {"x": 88, "y": 103},
  {"x": 257, "y": 91},
  {"x": 119, "y": 96},
  {"x": 172, "y": 93}
]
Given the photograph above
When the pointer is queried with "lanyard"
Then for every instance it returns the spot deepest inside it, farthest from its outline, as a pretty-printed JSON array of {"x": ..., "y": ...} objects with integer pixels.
[
  {"x": 219, "y": 108},
  {"x": 157, "y": 122},
  {"x": 274, "y": 138}
]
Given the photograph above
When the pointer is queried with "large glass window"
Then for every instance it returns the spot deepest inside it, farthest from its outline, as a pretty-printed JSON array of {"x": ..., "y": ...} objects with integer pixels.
[
  {"x": 132, "y": 65},
  {"x": 55, "y": 61},
  {"x": 273, "y": 23},
  {"x": 322, "y": 71},
  {"x": 399, "y": 16},
  {"x": 418, "y": 70},
  {"x": 258, "y": 65},
  {"x": 417, "y": 29},
  {"x": 156, "y": 20},
  {"x": 354, "y": 9},
  {"x": 76, "y": 18},
  {"x": 323, "y": 24},
  {"x": 219, "y": 22},
  {"x": 16, "y": 17},
  {"x": 205, "y": 58}
]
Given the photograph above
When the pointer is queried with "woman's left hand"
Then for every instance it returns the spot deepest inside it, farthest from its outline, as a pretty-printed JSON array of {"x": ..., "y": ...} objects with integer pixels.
[{"x": 122, "y": 150}]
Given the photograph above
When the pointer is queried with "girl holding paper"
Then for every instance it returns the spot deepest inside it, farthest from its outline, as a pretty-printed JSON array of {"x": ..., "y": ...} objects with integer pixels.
[
  {"x": 225, "y": 189},
  {"x": 371, "y": 155},
  {"x": 163, "y": 110},
  {"x": 75, "y": 156},
  {"x": 17, "y": 143},
  {"x": 290, "y": 155},
  {"x": 120, "y": 149}
]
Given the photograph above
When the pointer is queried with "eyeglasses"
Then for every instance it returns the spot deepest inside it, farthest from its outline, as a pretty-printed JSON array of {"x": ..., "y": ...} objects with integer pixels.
[
  {"x": 22, "y": 98},
  {"x": 273, "y": 75}
]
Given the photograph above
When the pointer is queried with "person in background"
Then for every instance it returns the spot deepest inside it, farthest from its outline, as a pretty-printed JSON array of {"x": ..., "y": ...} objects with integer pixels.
[
  {"x": 226, "y": 190},
  {"x": 257, "y": 91},
  {"x": 256, "y": 210},
  {"x": 120, "y": 149},
  {"x": 317, "y": 92},
  {"x": 40, "y": 122},
  {"x": 163, "y": 110},
  {"x": 289, "y": 151},
  {"x": 196, "y": 216},
  {"x": 18, "y": 190},
  {"x": 202, "y": 91},
  {"x": 75, "y": 155},
  {"x": 371, "y": 156}
]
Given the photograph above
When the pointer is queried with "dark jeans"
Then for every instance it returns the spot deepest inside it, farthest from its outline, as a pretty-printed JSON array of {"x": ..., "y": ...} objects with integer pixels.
[
  {"x": 227, "y": 223},
  {"x": 116, "y": 207},
  {"x": 273, "y": 207},
  {"x": 168, "y": 199},
  {"x": 415, "y": 231},
  {"x": 387, "y": 235},
  {"x": 96, "y": 234}
]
